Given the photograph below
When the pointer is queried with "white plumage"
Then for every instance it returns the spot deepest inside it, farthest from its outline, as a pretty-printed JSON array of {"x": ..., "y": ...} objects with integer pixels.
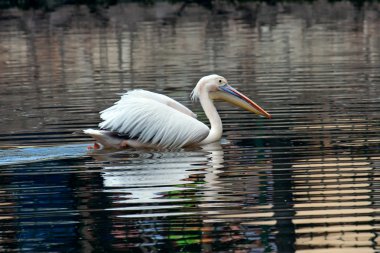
[
  {"x": 144, "y": 119},
  {"x": 155, "y": 119}
]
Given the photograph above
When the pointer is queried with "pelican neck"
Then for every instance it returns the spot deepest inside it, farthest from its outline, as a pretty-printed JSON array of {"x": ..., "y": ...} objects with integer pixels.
[{"x": 216, "y": 127}]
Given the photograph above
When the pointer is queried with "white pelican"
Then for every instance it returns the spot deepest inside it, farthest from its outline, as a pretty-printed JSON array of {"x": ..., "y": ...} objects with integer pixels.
[{"x": 143, "y": 119}]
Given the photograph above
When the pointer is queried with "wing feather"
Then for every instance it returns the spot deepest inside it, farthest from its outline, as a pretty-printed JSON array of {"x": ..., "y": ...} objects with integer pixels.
[{"x": 155, "y": 121}]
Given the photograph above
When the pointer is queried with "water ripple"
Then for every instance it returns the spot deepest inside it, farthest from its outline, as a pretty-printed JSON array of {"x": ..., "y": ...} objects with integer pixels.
[{"x": 304, "y": 181}]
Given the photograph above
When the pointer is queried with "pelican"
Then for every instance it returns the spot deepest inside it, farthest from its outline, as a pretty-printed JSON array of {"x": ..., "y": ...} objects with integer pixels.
[{"x": 144, "y": 119}]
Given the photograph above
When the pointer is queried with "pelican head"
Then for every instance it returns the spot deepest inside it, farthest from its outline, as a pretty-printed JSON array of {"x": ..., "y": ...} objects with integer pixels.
[{"x": 217, "y": 88}]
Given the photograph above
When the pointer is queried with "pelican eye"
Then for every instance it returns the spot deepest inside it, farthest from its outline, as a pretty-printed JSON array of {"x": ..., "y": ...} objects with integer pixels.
[{"x": 220, "y": 81}]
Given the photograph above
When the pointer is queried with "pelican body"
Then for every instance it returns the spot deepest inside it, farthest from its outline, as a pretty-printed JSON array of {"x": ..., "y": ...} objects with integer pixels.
[{"x": 144, "y": 119}]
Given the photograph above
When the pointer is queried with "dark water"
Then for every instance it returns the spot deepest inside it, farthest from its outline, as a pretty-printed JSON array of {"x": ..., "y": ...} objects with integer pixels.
[{"x": 305, "y": 181}]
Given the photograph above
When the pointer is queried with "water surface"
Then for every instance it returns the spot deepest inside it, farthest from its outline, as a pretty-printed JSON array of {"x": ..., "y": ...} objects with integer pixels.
[{"x": 304, "y": 181}]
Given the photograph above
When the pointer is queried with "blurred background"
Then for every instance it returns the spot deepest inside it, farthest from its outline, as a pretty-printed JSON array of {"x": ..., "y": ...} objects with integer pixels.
[{"x": 304, "y": 181}]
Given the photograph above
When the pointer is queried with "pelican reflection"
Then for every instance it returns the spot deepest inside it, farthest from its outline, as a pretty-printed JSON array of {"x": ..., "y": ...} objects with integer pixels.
[{"x": 149, "y": 177}]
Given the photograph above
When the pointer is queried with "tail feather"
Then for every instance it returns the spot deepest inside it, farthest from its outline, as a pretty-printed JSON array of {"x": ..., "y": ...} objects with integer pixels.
[{"x": 106, "y": 138}]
